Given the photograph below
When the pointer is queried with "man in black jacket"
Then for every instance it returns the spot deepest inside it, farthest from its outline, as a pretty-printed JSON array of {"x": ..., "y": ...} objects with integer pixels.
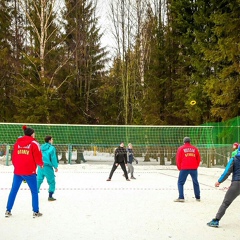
[{"x": 120, "y": 158}]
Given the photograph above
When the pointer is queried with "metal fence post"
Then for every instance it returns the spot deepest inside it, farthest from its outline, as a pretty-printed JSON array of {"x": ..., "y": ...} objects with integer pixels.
[
  {"x": 69, "y": 153},
  {"x": 7, "y": 154}
]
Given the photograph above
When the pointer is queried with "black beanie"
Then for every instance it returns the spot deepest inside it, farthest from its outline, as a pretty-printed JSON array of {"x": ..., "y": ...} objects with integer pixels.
[
  {"x": 186, "y": 139},
  {"x": 27, "y": 131}
]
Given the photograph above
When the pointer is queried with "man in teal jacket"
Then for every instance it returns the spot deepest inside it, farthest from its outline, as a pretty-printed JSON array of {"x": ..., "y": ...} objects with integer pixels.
[{"x": 50, "y": 164}]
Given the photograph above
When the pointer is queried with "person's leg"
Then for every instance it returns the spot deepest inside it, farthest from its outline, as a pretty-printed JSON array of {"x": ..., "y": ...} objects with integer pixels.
[
  {"x": 231, "y": 194},
  {"x": 181, "y": 181},
  {"x": 17, "y": 180},
  {"x": 130, "y": 167},
  {"x": 194, "y": 176},
  {"x": 51, "y": 180},
  {"x": 114, "y": 167},
  {"x": 40, "y": 177},
  {"x": 32, "y": 183},
  {"x": 122, "y": 164}
]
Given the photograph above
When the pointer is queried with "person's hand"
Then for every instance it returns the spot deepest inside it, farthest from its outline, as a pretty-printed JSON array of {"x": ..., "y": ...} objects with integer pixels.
[
  {"x": 217, "y": 184},
  {"x": 116, "y": 164},
  {"x": 56, "y": 170}
]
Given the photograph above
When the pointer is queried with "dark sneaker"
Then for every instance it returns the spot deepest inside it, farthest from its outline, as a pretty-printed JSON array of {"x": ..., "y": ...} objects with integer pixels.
[
  {"x": 133, "y": 178},
  {"x": 179, "y": 200},
  {"x": 50, "y": 199},
  {"x": 8, "y": 214},
  {"x": 198, "y": 199},
  {"x": 37, "y": 214},
  {"x": 213, "y": 223},
  {"x": 108, "y": 179}
]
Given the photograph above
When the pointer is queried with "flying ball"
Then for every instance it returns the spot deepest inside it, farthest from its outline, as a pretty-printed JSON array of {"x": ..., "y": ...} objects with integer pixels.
[{"x": 193, "y": 102}]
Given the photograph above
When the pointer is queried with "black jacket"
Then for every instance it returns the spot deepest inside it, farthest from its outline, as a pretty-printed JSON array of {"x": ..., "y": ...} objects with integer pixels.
[{"x": 120, "y": 155}]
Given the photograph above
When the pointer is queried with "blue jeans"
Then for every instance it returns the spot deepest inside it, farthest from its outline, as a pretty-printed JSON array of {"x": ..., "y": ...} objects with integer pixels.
[
  {"x": 182, "y": 179},
  {"x": 32, "y": 183}
]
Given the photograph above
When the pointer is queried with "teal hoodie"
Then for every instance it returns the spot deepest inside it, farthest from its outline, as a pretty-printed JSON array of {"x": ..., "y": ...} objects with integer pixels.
[{"x": 49, "y": 155}]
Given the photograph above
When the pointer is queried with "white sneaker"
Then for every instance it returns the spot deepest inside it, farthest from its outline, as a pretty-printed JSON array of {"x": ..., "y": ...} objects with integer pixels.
[
  {"x": 37, "y": 214},
  {"x": 8, "y": 214}
]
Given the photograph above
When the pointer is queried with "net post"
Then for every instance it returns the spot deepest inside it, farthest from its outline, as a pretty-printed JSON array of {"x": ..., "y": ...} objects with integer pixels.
[
  {"x": 8, "y": 153},
  {"x": 69, "y": 153}
]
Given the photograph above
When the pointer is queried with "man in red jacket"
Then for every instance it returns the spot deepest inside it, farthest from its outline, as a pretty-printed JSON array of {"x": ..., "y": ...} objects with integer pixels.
[
  {"x": 188, "y": 160},
  {"x": 25, "y": 158}
]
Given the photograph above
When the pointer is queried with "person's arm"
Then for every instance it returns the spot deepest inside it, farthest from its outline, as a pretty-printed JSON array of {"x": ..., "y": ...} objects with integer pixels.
[
  {"x": 37, "y": 154},
  {"x": 178, "y": 159},
  {"x": 54, "y": 159},
  {"x": 228, "y": 170},
  {"x": 125, "y": 156},
  {"x": 115, "y": 155}
]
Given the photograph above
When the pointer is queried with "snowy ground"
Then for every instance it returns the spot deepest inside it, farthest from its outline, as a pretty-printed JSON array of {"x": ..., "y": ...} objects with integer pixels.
[{"x": 89, "y": 207}]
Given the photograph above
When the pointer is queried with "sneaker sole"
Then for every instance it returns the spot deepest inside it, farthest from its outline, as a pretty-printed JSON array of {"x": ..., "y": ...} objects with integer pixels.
[
  {"x": 8, "y": 215},
  {"x": 37, "y": 216},
  {"x": 212, "y": 226}
]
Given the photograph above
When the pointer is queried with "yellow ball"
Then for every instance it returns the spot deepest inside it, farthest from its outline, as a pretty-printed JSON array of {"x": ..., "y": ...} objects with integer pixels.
[{"x": 193, "y": 102}]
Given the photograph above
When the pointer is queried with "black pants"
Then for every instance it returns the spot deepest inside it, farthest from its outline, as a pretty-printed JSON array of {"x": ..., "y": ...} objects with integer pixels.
[
  {"x": 231, "y": 194},
  {"x": 114, "y": 167}
]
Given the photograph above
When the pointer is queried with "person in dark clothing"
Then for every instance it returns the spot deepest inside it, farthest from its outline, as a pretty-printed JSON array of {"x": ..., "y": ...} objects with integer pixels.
[
  {"x": 120, "y": 158},
  {"x": 233, "y": 191}
]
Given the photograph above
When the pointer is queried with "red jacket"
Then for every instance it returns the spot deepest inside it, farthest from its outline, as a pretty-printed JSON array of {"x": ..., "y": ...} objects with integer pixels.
[
  {"x": 188, "y": 157},
  {"x": 26, "y": 156}
]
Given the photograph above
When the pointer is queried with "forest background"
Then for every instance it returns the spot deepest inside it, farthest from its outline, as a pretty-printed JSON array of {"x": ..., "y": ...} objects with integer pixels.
[{"x": 164, "y": 55}]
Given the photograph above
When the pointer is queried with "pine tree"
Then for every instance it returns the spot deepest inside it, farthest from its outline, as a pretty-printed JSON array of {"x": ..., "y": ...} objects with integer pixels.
[
  {"x": 87, "y": 61},
  {"x": 40, "y": 79},
  {"x": 6, "y": 63},
  {"x": 222, "y": 85}
]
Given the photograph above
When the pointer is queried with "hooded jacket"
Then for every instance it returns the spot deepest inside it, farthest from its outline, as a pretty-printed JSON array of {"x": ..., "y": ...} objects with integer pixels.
[
  {"x": 26, "y": 156},
  {"x": 188, "y": 157},
  {"x": 233, "y": 167},
  {"x": 130, "y": 155},
  {"x": 49, "y": 155}
]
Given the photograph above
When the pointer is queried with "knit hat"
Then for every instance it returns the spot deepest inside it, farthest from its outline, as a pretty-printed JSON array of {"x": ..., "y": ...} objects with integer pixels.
[
  {"x": 186, "y": 139},
  {"x": 235, "y": 145},
  {"x": 27, "y": 131}
]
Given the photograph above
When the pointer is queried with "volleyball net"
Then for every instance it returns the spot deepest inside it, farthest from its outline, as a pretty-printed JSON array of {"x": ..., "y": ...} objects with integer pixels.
[{"x": 159, "y": 143}]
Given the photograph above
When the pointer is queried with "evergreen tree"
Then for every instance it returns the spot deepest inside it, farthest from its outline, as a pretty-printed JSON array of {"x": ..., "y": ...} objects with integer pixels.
[
  {"x": 87, "y": 61},
  {"x": 222, "y": 85},
  {"x": 7, "y": 62},
  {"x": 40, "y": 80},
  {"x": 179, "y": 69},
  {"x": 205, "y": 38}
]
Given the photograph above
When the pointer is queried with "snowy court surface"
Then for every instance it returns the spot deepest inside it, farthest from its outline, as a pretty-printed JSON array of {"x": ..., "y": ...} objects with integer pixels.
[{"x": 89, "y": 207}]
